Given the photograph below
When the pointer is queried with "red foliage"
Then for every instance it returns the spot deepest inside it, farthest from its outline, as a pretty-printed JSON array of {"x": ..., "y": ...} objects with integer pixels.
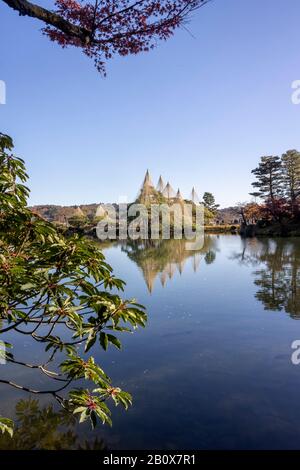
[
  {"x": 278, "y": 208},
  {"x": 253, "y": 212},
  {"x": 120, "y": 26}
]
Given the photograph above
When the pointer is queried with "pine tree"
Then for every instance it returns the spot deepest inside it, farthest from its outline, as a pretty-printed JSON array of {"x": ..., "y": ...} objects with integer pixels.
[
  {"x": 210, "y": 203},
  {"x": 269, "y": 182},
  {"x": 291, "y": 177}
]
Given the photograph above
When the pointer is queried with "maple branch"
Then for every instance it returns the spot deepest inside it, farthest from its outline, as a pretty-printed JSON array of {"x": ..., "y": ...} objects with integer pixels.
[
  {"x": 151, "y": 27},
  {"x": 123, "y": 26},
  {"x": 26, "y": 8}
]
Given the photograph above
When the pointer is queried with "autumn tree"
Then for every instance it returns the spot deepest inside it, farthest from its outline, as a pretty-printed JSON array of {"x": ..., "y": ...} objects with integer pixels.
[
  {"x": 104, "y": 28},
  {"x": 251, "y": 212}
]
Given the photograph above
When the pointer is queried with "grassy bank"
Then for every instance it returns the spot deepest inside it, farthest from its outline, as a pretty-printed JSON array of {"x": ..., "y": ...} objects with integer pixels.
[{"x": 222, "y": 228}]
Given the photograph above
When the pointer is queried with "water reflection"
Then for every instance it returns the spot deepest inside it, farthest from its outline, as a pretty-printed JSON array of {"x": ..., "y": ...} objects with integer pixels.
[
  {"x": 277, "y": 263},
  {"x": 163, "y": 258},
  {"x": 277, "y": 275},
  {"x": 41, "y": 427},
  {"x": 208, "y": 333}
]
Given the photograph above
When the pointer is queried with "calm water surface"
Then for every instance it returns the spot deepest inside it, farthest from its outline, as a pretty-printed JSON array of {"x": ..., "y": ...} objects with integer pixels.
[{"x": 213, "y": 368}]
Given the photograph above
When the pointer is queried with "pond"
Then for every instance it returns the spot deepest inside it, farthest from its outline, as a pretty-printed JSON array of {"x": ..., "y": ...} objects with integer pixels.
[{"x": 212, "y": 369}]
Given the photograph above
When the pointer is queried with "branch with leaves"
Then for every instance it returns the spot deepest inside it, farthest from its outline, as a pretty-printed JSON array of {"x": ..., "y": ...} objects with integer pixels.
[
  {"x": 61, "y": 294},
  {"x": 103, "y": 29}
]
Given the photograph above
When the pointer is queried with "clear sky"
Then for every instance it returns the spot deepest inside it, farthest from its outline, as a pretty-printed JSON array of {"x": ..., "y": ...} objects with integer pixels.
[{"x": 200, "y": 109}]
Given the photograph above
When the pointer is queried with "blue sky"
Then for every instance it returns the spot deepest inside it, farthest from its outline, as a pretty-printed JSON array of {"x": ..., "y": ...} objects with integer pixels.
[{"x": 200, "y": 109}]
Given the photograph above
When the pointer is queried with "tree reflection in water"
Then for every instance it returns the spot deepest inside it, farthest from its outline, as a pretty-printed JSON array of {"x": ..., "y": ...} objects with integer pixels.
[
  {"x": 44, "y": 428},
  {"x": 277, "y": 276},
  {"x": 164, "y": 258}
]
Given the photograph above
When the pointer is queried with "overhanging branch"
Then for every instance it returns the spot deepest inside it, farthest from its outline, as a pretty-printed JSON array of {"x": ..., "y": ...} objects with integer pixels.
[{"x": 26, "y": 8}]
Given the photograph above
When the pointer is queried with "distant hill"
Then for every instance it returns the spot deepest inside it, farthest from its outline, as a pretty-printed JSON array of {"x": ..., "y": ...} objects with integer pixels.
[
  {"x": 55, "y": 213},
  {"x": 228, "y": 215}
]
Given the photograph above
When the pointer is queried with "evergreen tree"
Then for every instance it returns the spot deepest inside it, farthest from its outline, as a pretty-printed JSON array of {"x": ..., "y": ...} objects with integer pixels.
[
  {"x": 291, "y": 177},
  {"x": 269, "y": 182},
  {"x": 210, "y": 203}
]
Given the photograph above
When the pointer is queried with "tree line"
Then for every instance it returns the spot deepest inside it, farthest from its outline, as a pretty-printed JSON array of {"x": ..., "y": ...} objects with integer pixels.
[{"x": 277, "y": 188}]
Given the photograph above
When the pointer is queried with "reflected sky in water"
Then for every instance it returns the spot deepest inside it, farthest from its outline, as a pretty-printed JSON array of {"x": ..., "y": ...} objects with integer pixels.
[{"x": 212, "y": 369}]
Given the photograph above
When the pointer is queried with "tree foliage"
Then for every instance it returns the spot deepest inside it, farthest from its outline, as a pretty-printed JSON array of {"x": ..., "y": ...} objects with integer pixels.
[
  {"x": 251, "y": 212},
  {"x": 210, "y": 203},
  {"x": 61, "y": 294},
  {"x": 268, "y": 178},
  {"x": 291, "y": 177},
  {"x": 102, "y": 29},
  {"x": 278, "y": 185}
]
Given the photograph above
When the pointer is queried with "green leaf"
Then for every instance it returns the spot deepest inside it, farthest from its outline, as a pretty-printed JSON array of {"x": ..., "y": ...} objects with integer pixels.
[
  {"x": 103, "y": 340},
  {"x": 112, "y": 339},
  {"x": 90, "y": 341},
  {"x": 6, "y": 426},
  {"x": 84, "y": 416}
]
